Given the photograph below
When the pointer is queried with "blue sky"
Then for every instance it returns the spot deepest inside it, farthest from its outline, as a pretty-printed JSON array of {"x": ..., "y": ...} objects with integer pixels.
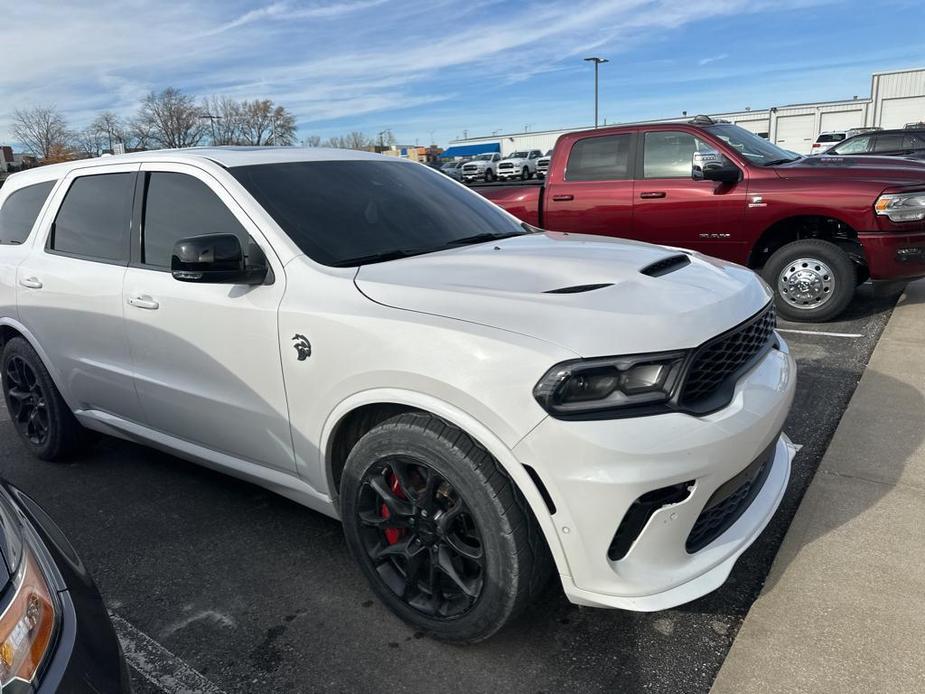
[{"x": 445, "y": 66}]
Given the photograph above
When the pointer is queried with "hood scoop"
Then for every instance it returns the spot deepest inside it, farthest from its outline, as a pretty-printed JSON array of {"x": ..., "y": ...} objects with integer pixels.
[
  {"x": 666, "y": 265},
  {"x": 578, "y": 288}
]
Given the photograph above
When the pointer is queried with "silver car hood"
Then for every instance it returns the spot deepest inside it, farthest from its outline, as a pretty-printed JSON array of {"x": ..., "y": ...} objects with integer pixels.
[{"x": 506, "y": 285}]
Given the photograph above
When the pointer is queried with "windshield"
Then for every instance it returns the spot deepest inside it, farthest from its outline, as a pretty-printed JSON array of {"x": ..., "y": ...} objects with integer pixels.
[
  {"x": 348, "y": 213},
  {"x": 516, "y": 155},
  {"x": 756, "y": 149},
  {"x": 484, "y": 157}
]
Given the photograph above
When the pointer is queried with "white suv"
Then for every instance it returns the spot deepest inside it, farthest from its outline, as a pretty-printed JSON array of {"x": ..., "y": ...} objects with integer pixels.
[{"x": 479, "y": 402}]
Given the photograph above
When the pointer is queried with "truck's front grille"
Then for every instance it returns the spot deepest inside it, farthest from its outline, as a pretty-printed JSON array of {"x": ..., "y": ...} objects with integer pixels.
[{"x": 716, "y": 362}]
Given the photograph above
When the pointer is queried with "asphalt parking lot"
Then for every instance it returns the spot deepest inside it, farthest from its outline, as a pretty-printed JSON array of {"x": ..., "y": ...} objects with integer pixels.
[{"x": 217, "y": 585}]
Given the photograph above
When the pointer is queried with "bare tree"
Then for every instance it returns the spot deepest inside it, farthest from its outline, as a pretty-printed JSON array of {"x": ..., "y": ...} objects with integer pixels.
[
  {"x": 172, "y": 118},
  {"x": 139, "y": 134},
  {"x": 109, "y": 129},
  {"x": 356, "y": 140},
  {"x": 225, "y": 120},
  {"x": 89, "y": 142},
  {"x": 43, "y": 130},
  {"x": 312, "y": 141},
  {"x": 262, "y": 123}
]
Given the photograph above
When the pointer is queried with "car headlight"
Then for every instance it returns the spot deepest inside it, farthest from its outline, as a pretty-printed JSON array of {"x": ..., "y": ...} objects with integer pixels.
[
  {"x": 27, "y": 626},
  {"x": 586, "y": 386},
  {"x": 901, "y": 207},
  {"x": 29, "y": 620}
]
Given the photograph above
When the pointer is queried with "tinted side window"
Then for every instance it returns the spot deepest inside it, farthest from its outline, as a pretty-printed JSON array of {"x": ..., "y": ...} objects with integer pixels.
[
  {"x": 604, "y": 158},
  {"x": 18, "y": 214},
  {"x": 95, "y": 217},
  {"x": 914, "y": 141},
  {"x": 668, "y": 154},
  {"x": 886, "y": 143},
  {"x": 178, "y": 206}
]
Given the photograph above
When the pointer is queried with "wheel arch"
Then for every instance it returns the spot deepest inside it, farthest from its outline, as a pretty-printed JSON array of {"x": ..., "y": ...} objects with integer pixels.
[
  {"x": 10, "y": 328},
  {"x": 821, "y": 226},
  {"x": 358, "y": 414}
]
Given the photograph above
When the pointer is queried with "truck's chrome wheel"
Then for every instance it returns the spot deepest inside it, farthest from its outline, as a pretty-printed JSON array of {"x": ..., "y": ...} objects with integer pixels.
[
  {"x": 806, "y": 283},
  {"x": 26, "y": 400},
  {"x": 421, "y": 538}
]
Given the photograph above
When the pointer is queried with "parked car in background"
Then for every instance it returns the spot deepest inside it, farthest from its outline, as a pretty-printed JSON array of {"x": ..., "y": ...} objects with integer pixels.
[
  {"x": 542, "y": 164},
  {"x": 521, "y": 164},
  {"x": 830, "y": 138},
  {"x": 55, "y": 632},
  {"x": 453, "y": 169},
  {"x": 815, "y": 227},
  {"x": 883, "y": 143},
  {"x": 481, "y": 404},
  {"x": 483, "y": 167}
]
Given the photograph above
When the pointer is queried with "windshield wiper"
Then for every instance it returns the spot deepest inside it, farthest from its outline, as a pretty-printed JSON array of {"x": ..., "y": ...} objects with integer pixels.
[
  {"x": 482, "y": 238},
  {"x": 778, "y": 162},
  {"x": 377, "y": 257}
]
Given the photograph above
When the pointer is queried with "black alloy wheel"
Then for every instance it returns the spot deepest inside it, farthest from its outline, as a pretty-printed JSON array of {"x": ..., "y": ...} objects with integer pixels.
[
  {"x": 27, "y": 404},
  {"x": 421, "y": 537}
]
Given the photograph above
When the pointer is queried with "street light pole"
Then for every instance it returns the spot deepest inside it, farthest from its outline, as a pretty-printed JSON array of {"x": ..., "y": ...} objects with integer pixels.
[
  {"x": 597, "y": 62},
  {"x": 211, "y": 119}
]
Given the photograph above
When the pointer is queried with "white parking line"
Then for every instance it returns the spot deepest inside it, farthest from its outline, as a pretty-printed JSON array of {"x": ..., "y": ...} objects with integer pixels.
[
  {"x": 819, "y": 332},
  {"x": 157, "y": 665}
]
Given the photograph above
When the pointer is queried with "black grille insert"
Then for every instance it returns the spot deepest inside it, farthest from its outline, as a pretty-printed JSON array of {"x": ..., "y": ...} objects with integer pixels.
[
  {"x": 729, "y": 502},
  {"x": 715, "y": 365}
]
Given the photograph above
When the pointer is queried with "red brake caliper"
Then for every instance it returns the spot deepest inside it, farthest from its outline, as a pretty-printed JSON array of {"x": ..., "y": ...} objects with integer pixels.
[{"x": 392, "y": 535}]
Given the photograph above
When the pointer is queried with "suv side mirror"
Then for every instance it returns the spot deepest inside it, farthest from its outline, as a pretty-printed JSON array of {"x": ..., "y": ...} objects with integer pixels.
[
  {"x": 218, "y": 259},
  {"x": 710, "y": 165}
]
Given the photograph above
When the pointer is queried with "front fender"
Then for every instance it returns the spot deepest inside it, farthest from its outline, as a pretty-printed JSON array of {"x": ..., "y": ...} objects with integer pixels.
[{"x": 469, "y": 424}]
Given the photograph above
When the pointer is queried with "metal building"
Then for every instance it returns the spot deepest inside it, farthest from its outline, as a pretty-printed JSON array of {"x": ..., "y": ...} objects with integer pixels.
[{"x": 896, "y": 98}]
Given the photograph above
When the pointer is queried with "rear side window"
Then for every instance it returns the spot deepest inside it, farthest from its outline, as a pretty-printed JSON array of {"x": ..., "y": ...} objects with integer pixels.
[
  {"x": 831, "y": 137},
  {"x": 19, "y": 212},
  {"x": 605, "y": 158},
  {"x": 914, "y": 141},
  {"x": 178, "y": 206},
  {"x": 668, "y": 154},
  {"x": 95, "y": 218},
  {"x": 887, "y": 143}
]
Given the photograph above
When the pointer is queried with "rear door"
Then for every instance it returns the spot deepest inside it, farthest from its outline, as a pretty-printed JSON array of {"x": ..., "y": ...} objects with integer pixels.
[
  {"x": 70, "y": 290},
  {"x": 673, "y": 209},
  {"x": 594, "y": 193}
]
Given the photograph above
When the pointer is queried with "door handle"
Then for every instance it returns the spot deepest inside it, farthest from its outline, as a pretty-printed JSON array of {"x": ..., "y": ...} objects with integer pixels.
[
  {"x": 649, "y": 195},
  {"x": 562, "y": 197},
  {"x": 32, "y": 282},
  {"x": 143, "y": 301}
]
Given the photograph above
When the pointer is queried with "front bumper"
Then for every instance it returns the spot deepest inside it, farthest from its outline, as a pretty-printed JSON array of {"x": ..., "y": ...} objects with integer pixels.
[
  {"x": 595, "y": 470},
  {"x": 894, "y": 256},
  {"x": 86, "y": 655}
]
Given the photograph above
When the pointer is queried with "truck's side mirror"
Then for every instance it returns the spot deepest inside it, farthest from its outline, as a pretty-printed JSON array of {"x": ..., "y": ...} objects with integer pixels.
[
  {"x": 710, "y": 165},
  {"x": 218, "y": 259}
]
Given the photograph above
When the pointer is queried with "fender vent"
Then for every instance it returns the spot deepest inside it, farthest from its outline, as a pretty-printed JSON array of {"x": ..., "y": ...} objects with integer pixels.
[
  {"x": 578, "y": 288},
  {"x": 666, "y": 265}
]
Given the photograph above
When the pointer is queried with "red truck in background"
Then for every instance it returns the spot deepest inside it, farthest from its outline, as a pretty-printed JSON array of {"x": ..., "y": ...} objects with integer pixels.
[{"x": 814, "y": 227}]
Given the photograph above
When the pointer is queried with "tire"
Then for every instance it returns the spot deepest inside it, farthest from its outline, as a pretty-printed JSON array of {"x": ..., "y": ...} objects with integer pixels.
[
  {"x": 27, "y": 389},
  {"x": 813, "y": 280},
  {"x": 525, "y": 174},
  {"x": 489, "y": 175},
  {"x": 480, "y": 511}
]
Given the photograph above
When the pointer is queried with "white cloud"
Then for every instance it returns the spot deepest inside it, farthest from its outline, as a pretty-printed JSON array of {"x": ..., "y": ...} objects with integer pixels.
[{"x": 712, "y": 59}]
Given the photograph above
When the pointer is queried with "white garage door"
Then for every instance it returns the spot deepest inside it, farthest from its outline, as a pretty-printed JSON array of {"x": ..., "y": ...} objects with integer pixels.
[
  {"x": 759, "y": 126},
  {"x": 796, "y": 133},
  {"x": 895, "y": 113},
  {"x": 841, "y": 120}
]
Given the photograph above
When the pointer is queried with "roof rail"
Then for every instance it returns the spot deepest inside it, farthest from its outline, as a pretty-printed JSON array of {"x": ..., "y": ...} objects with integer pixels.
[{"x": 706, "y": 120}]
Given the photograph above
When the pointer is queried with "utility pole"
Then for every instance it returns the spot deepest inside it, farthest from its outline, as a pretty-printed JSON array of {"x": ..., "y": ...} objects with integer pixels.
[
  {"x": 597, "y": 62},
  {"x": 211, "y": 119}
]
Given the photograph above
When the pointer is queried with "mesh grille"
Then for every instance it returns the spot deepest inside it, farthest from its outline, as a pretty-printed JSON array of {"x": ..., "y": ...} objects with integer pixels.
[{"x": 722, "y": 357}]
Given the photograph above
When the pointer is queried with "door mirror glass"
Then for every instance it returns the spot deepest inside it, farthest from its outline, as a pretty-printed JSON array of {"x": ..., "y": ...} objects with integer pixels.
[
  {"x": 710, "y": 165},
  {"x": 218, "y": 259}
]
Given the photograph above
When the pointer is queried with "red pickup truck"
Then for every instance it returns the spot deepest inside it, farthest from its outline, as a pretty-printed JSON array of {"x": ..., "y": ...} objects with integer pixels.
[{"x": 814, "y": 227}]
